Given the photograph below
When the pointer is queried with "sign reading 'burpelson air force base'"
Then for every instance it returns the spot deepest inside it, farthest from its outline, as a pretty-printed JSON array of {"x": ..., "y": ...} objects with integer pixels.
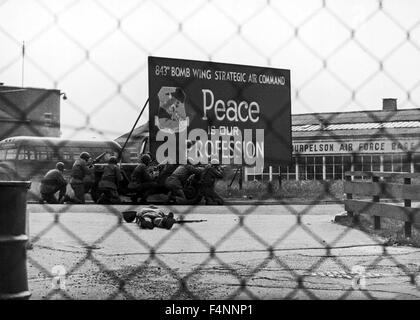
[{"x": 207, "y": 112}]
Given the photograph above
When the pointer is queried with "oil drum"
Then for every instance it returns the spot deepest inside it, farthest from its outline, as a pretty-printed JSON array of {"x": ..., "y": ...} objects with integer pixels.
[{"x": 13, "y": 240}]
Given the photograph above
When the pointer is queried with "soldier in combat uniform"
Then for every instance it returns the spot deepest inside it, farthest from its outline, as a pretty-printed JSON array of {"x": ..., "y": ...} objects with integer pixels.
[
  {"x": 53, "y": 182},
  {"x": 207, "y": 182},
  {"x": 81, "y": 178},
  {"x": 109, "y": 183},
  {"x": 142, "y": 182},
  {"x": 176, "y": 181}
]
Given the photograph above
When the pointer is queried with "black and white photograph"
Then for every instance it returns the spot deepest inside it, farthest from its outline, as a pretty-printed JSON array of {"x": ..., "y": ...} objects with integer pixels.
[{"x": 209, "y": 150}]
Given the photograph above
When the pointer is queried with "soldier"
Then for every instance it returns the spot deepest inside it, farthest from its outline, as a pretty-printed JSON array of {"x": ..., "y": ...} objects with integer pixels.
[
  {"x": 207, "y": 183},
  {"x": 151, "y": 216},
  {"x": 81, "y": 178},
  {"x": 176, "y": 181},
  {"x": 109, "y": 183},
  {"x": 141, "y": 181},
  {"x": 53, "y": 182},
  {"x": 165, "y": 171}
]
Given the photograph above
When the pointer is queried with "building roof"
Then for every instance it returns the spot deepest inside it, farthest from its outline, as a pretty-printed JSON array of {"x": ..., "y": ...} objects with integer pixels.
[
  {"x": 341, "y": 125},
  {"x": 11, "y": 89},
  {"x": 357, "y": 126},
  {"x": 356, "y": 117}
]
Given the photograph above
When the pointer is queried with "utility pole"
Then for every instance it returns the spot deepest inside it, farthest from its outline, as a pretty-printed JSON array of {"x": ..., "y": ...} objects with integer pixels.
[{"x": 23, "y": 62}]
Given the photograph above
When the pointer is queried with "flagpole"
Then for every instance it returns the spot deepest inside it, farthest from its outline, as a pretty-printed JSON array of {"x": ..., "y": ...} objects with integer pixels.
[{"x": 23, "y": 62}]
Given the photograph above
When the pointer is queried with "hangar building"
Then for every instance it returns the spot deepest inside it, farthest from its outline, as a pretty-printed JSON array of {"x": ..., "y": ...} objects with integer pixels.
[{"x": 325, "y": 145}]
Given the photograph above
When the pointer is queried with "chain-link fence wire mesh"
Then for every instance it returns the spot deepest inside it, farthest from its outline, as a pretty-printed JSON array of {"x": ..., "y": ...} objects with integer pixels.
[{"x": 359, "y": 52}]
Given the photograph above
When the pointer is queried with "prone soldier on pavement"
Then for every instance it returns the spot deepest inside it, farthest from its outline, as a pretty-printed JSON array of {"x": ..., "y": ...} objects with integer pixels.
[
  {"x": 142, "y": 182},
  {"x": 53, "y": 182},
  {"x": 176, "y": 181},
  {"x": 109, "y": 183},
  {"x": 152, "y": 216},
  {"x": 81, "y": 178}
]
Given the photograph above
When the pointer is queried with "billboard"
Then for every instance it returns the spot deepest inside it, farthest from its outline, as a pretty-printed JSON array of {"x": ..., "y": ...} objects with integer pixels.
[{"x": 209, "y": 112}]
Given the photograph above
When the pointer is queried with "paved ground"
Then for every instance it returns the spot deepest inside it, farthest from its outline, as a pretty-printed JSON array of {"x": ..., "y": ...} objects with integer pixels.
[{"x": 107, "y": 258}]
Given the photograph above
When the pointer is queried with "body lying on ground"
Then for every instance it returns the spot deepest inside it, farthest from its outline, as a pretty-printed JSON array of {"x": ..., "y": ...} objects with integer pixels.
[{"x": 152, "y": 216}]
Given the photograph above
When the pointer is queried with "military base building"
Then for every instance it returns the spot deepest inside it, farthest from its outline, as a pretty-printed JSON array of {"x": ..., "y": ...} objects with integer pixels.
[
  {"x": 29, "y": 112},
  {"x": 326, "y": 145}
]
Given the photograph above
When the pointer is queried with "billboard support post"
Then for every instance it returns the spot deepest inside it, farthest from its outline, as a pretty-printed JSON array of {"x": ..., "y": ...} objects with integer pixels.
[
  {"x": 132, "y": 129},
  {"x": 241, "y": 174}
]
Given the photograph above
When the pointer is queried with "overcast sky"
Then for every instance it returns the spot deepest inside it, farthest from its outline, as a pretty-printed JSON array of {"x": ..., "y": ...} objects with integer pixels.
[{"x": 96, "y": 51}]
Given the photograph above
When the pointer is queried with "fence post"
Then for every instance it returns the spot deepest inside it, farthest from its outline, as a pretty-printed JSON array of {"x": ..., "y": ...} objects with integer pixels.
[
  {"x": 376, "y": 219},
  {"x": 349, "y": 196},
  {"x": 407, "y": 204}
]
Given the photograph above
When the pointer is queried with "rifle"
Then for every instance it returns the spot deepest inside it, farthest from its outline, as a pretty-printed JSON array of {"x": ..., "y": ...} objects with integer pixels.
[
  {"x": 98, "y": 158},
  {"x": 189, "y": 221}
]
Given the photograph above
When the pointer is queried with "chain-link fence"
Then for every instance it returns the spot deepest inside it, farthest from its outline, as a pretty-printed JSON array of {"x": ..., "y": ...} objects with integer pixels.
[{"x": 343, "y": 57}]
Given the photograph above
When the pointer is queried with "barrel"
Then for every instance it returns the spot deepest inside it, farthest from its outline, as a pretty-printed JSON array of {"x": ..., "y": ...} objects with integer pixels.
[{"x": 13, "y": 240}]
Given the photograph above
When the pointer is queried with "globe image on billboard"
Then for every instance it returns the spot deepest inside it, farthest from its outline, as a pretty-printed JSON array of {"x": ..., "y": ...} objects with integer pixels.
[{"x": 172, "y": 117}]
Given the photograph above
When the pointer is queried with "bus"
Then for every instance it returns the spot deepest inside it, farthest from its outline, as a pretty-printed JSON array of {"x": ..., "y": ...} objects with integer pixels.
[{"x": 28, "y": 158}]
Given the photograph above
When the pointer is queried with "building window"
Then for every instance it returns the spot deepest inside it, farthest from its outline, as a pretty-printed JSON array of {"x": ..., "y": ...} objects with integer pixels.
[
  {"x": 387, "y": 163},
  {"x": 48, "y": 119},
  {"x": 11, "y": 154},
  {"x": 396, "y": 163},
  {"x": 329, "y": 167},
  {"x": 366, "y": 163},
  {"x": 406, "y": 162},
  {"x": 338, "y": 168},
  {"x": 358, "y": 163},
  {"x": 318, "y": 168},
  {"x": 376, "y": 163}
]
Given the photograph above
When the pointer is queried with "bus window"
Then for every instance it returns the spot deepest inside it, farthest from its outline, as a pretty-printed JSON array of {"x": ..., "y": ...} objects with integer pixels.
[
  {"x": 42, "y": 155},
  {"x": 53, "y": 155},
  {"x": 67, "y": 155},
  {"x": 2, "y": 154},
  {"x": 11, "y": 154},
  {"x": 26, "y": 154},
  {"x": 76, "y": 152}
]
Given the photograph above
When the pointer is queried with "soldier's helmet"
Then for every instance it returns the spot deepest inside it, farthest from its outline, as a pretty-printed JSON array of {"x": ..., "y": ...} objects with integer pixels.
[
  {"x": 59, "y": 166},
  {"x": 85, "y": 156},
  {"x": 145, "y": 158},
  {"x": 113, "y": 160}
]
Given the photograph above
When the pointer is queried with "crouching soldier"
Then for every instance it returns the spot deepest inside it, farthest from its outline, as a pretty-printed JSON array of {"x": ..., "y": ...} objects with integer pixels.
[
  {"x": 52, "y": 183},
  {"x": 81, "y": 178},
  {"x": 110, "y": 180},
  {"x": 176, "y": 181},
  {"x": 142, "y": 183},
  {"x": 208, "y": 181},
  {"x": 151, "y": 216}
]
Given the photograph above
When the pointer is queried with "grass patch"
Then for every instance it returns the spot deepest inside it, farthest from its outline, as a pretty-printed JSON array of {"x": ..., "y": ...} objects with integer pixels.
[
  {"x": 303, "y": 190},
  {"x": 392, "y": 230}
]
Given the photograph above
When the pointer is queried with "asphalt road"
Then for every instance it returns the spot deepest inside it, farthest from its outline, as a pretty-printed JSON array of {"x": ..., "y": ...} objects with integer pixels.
[{"x": 246, "y": 252}]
